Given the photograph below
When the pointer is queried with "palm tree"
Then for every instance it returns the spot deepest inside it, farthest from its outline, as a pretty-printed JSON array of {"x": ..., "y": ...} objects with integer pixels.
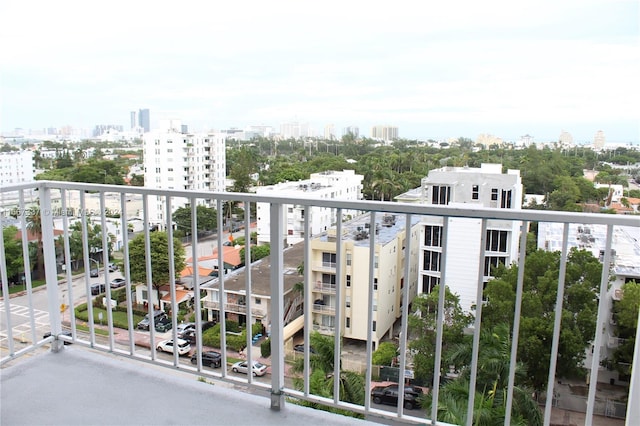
[
  {"x": 491, "y": 384},
  {"x": 351, "y": 385},
  {"x": 34, "y": 226}
]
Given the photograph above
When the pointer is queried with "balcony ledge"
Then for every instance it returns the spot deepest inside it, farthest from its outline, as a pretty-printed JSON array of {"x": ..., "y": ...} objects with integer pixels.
[{"x": 81, "y": 386}]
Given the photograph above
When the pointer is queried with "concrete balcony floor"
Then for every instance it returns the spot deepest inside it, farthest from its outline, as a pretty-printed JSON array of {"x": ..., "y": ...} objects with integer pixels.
[{"x": 81, "y": 386}]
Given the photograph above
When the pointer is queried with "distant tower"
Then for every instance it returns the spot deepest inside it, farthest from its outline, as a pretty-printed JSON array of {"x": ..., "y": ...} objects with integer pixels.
[
  {"x": 598, "y": 140},
  {"x": 565, "y": 139},
  {"x": 144, "y": 120},
  {"x": 329, "y": 132},
  {"x": 133, "y": 120},
  {"x": 353, "y": 130}
]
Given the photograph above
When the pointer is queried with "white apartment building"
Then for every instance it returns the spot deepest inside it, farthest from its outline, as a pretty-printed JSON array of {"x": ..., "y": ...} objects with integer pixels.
[
  {"x": 385, "y": 133},
  {"x": 466, "y": 187},
  {"x": 174, "y": 160},
  {"x": 625, "y": 267},
  {"x": 15, "y": 167},
  {"x": 354, "y": 281},
  {"x": 343, "y": 185}
]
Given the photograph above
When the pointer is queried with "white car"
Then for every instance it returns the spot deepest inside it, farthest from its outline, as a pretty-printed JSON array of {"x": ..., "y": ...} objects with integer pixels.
[
  {"x": 241, "y": 367},
  {"x": 184, "y": 347}
]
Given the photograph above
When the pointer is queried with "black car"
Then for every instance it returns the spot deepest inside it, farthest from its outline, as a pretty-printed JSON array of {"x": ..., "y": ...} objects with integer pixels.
[
  {"x": 211, "y": 359},
  {"x": 97, "y": 289},
  {"x": 389, "y": 395},
  {"x": 189, "y": 335},
  {"x": 207, "y": 325},
  {"x": 300, "y": 348},
  {"x": 157, "y": 315},
  {"x": 163, "y": 323}
]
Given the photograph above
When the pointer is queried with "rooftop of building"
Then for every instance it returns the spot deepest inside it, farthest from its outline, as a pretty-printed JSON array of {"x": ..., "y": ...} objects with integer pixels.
[
  {"x": 626, "y": 243},
  {"x": 358, "y": 229}
]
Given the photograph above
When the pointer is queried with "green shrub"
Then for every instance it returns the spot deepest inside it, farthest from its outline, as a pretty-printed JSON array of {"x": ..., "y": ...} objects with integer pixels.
[
  {"x": 265, "y": 348},
  {"x": 384, "y": 354}
]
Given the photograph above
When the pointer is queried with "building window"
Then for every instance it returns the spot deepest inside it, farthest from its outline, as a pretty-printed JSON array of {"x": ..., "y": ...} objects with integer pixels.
[
  {"x": 428, "y": 283},
  {"x": 373, "y": 327},
  {"x": 348, "y": 322},
  {"x": 491, "y": 262},
  {"x": 375, "y": 262},
  {"x": 475, "y": 193},
  {"x": 375, "y": 305},
  {"x": 348, "y": 301},
  {"x": 432, "y": 260},
  {"x": 329, "y": 260},
  {"x": 440, "y": 194},
  {"x": 348, "y": 259},
  {"x": 496, "y": 240},
  {"x": 258, "y": 301},
  {"x": 375, "y": 283},
  {"x": 433, "y": 236},
  {"x": 494, "y": 194},
  {"x": 505, "y": 201},
  {"x": 329, "y": 279},
  {"x": 348, "y": 281},
  {"x": 289, "y": 231}
]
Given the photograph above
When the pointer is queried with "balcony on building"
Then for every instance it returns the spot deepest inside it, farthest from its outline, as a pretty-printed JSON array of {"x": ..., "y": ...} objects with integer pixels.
[{"x": 59, "y": 369}]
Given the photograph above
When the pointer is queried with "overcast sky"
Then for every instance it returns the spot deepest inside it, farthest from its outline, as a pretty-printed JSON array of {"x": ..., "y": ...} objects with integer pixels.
[{"x": 435, "y": 69}]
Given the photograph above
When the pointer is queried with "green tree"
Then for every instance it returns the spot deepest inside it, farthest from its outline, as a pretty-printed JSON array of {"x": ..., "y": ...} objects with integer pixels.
[
  {"x": 94, "y": 241},
  {"x": 491, "y": 383},
  {"x": 385, "y": 354},
  {"x": 625, "y": 313},
  {"x": 159, "y": 243},
  {"x": 582, "y": 282},
  {"x": 321, "y": 363},
  {"x": 243, "y": 163},
  {"x": 422, "y": 329},
  {"x": 13, "y": 252},
  {"x": 206, "y": 216},
  {"x": 34, "y": 226}
]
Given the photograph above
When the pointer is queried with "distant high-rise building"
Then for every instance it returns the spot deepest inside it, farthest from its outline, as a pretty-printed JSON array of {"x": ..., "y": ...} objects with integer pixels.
[
  {"x": 173, "y": 160},
  {"x": 351, "y": 130},
  {"x": 385, "y": 133},
  {"x": 144, "y": 120},
  {"x": 329, "y": 132},
  {"x": 565, "y": 138},
  {"x": 599, "y": 140},
  {"x": 133, "y": 120},
  {"x": 184, "y": 128},
  {"x": 295, "y": 130}
]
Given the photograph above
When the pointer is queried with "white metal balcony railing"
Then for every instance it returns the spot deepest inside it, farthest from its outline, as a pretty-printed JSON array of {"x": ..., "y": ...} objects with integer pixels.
[
  {"x": 50, "y": 192},
  {"x": 233, "y": 307}
]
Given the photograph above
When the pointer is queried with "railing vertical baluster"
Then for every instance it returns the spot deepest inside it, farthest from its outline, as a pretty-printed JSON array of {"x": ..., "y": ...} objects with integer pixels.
[
  {"x": 337, "y": 322},
  {"x": 556, "y": 324},
  {"x": 405, "y": 308},
  {"x": 105, "y": 265},
  {"x": 5, "y": 288},
  {"x": 87, "y": 268},
  {"x": 308, "y": 299},
  {"x": 477, "y": 322},
  {"x": 196, "y": 288},
  {"x": 372, "y": 259},
  {"x": 67, "y": 262},
  {"x": 277, "y": 306},
  {"x": 223, "y": 295},
  {"x": 50, "y": 272},
  {"x": 602, "y": 306},
  {"x": 28, "y": 283},
  {"x": 149, "y": 283},
  {"x": 247, "y": 281},
  {"x": 172, "y": 276},
  {"x": 435, "y": 392},
  {"x": 127, "y": 270},
  {"x": 516, "y": 321}
]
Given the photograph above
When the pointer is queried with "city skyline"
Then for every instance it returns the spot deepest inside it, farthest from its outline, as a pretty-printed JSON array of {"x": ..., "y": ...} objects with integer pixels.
[{"x": 434, "y": 71}]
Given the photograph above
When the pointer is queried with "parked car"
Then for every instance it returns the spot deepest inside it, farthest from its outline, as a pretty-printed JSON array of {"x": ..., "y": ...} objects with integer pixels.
[
  {"x": 212, "y": 359},
  {"x": 189, "y": 335},
  {"x": 97, "y": 289},
  {"x": 118, "y": 282},
  {"x": 167, "y": 346},
  {"x": 183, "y": 327},
  {"x": 144, "y": 323},
  {"x": 300, "y": 348},
  {"x": 94, "y": 273},
  {"x": 207, "y": 325},
  {"x": 163, "y": 324},
  {"x": 389, "y": 395},
  {"x": 66, "y": 333},
  {"x": 113, "y": 267},
  {"x": 242, "y": 367}
]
